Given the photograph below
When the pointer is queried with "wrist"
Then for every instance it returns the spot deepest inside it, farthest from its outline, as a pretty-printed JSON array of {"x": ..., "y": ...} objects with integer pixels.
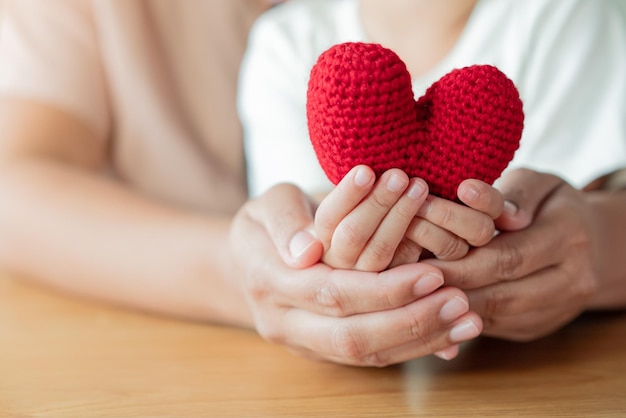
[{"x": 608, "y": 240}]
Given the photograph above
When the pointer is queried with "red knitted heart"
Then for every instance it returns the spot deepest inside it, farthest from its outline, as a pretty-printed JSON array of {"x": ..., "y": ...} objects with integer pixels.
[{"x": 361, "y": 110}]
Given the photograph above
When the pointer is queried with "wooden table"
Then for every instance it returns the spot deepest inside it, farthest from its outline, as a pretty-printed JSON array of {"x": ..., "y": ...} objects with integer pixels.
[{"x": 64, "y": 357}]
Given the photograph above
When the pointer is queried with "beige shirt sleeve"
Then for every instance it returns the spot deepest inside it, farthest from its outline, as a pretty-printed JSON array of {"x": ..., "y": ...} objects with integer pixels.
[
  {"x": 156, "y": 78},
  {"x": 49, "y": 53}
]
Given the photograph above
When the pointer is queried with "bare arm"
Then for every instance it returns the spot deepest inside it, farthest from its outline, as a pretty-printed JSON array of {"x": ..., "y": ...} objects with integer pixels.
[
  {"x": 65, "y": 224},
  {"x": 609, "y": 211}
]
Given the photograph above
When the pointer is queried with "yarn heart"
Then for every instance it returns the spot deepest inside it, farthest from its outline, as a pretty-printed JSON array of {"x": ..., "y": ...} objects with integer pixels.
[{"x": 361, "y": 110}]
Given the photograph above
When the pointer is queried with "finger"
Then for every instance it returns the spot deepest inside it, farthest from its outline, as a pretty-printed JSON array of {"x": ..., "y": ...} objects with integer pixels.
[
  {"x": 383, "y": 245},
  {"x": 509, "y": 256},
  {"x": 286, "y": 214},
  {"x": 448, "y": 353},
  {"x": 482, "y": 197},
  {"x": 442, "y": 243},
  {"x": 471, "y": 225},
  {"x": 356, "y": 229},
  {"x": 342, "y": 200},
  {"x": 545, "y": 288},
  {"x": 342, "y": 293},
  {"x": 439, "y": 342},
  {"x": 565, "y": 288},
  {"x": 528, "y": 326},
  {"x": 524, "y": 192},
  {"x": 384, "y": 337}
]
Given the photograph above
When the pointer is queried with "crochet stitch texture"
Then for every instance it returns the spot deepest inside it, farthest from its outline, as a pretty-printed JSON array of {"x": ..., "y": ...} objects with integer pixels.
[{"x": 361, "y": 110}]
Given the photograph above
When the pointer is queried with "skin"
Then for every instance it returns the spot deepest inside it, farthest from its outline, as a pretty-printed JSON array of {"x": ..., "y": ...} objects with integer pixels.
[
  {"x": 402, "y": 24},
  {"x": 52, "y": 185},
  {"x": 561, "y": 253},
  {"x": 66, "y": 225},
  {"x": 370, "y": 224},
  {"x": 346, "y": 316},
  {"x": 50, "y": 159}
]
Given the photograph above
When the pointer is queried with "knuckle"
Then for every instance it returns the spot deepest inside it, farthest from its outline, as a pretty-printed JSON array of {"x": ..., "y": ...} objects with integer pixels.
[
  {"x": 376, "y": 360},
  {"x": 348, "y": 342},
  {"x": 468, "y": 274},
  {"x": 378, "y": 258},
  {"x": 418, "y": 332},
  {"x": 259, "y": 289},
  {"x": 351, "y": 234},
  {"x": 452, "y": 249},
  {"x": 445, "y": 216},
  {"x": 389, "y": 295},
  {"x": 484, "y": 232},
  {"x": 405, "y": 211},
  {"x": 378, "y": 203},
  {"x": 383, "y": 249},
  {"x": 338, "y": 261},
  {"x": 331, "y": 299},
  {"x": 390, "y": 299},
  {"x": 510, "y": 262},
  {"x": 498, "y": 300}
]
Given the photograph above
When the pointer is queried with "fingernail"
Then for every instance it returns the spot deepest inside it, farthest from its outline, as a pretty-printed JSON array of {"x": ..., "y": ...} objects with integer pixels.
[
  {"x": 470, "y": 193},
  {"x": 396, "y": 183},
  {"x": 449, "y": 353},
  {"x": 362, "y": 177},
  {"x": 464, "y": 331},
  {"x": 301, "y": 242},
  {"x": 453, "y": 308},
  {"x": 427, "y": 284},
  {"x": 416, "y": 190},
  {"x": 510, "y": 208}
]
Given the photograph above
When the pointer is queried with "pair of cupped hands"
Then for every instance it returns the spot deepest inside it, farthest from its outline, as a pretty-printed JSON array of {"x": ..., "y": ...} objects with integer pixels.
[{"x": 380, "y": 272}]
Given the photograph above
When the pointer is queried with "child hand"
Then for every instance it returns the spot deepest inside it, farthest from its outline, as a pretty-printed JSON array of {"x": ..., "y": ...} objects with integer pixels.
[
  {"x": 372, "y": 225},
  {"x": 448, "y": 229},
  {"x": 362, "y": 222}
]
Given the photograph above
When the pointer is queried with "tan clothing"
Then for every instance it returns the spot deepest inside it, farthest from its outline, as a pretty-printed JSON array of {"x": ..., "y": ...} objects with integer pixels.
[{"x": 156, "y": 78}]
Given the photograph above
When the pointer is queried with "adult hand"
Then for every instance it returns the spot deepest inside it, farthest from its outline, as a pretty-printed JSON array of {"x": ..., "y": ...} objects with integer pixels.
[
  {"x": 538, "y": 273},
  {"x": 348, "y": 317}
]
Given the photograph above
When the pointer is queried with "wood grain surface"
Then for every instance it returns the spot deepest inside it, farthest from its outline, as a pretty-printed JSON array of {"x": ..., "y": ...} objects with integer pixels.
[{"x": 65, "y": 357}]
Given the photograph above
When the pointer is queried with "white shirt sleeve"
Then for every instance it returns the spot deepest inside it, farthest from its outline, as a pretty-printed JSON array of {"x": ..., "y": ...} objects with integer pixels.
[
  {"x": 284, "y": 44},
  {"x": 272, "y": 94}
]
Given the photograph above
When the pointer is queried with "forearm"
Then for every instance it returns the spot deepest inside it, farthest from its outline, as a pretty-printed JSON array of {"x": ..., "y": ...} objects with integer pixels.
[
  {"x": 609, "y": 211},
  {"x": 86, "y": 234}
]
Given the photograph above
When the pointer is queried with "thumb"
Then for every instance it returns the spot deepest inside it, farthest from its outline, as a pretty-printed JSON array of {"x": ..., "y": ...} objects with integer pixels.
[
  {"x": 286, "y": 213},
  {"x": 524, "y": 192}
]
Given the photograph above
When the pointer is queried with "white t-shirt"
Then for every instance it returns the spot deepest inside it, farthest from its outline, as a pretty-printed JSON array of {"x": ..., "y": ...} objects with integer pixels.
[{"x": 567, "y": 58}]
